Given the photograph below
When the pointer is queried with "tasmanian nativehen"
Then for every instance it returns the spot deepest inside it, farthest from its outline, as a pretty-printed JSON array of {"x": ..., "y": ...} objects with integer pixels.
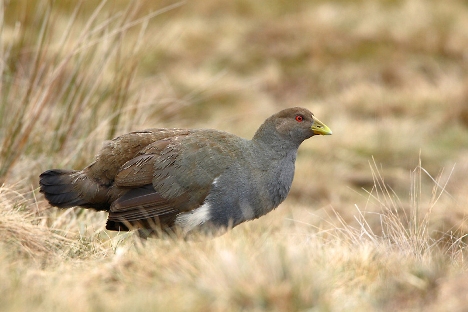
[{"x": 187, "y": 180}]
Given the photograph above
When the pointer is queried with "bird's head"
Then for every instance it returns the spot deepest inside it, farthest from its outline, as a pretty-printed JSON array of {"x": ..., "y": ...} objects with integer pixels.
[
  {"x": 297, "y": 124},
  {"x": 290, "y": 127}
]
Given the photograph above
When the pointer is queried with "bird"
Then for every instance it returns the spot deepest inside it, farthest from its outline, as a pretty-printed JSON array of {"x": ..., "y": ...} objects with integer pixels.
[{"x": 187, "y": 181}]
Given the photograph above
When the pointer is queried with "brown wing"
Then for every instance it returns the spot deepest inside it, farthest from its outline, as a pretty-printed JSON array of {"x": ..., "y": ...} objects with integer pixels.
[
  {"x": 191, "y": 164},
  {"x": 115, "y": 153},
  {"x": 181, "y": 169},
  {"x": 140, "y": 207},
  {"x": 139, "y": 171}
]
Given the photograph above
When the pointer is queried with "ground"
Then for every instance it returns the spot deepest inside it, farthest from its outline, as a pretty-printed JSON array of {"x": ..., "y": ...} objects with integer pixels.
[{"x": 376, "y": 217}]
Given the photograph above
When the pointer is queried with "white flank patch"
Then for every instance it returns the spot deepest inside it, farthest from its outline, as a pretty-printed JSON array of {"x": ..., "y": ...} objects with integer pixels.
[{"x": 189, "y": 220}]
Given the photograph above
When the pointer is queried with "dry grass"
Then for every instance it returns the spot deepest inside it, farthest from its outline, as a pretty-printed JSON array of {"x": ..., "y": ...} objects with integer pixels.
[{"x": 376, "y": 219}]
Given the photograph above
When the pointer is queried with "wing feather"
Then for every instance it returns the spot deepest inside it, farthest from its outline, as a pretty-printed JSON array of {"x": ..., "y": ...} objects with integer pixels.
[
  {"x": 138, "y": 204},
  {"x": 172, "y": 175}
]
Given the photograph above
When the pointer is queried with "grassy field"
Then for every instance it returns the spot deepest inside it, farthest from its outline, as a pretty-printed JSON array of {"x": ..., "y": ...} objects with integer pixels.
[{"x": 377, "y": 216}]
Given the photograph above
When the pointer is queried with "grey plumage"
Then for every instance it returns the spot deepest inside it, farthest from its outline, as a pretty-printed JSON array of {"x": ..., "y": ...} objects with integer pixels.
[{"x": 187, "y": 180}]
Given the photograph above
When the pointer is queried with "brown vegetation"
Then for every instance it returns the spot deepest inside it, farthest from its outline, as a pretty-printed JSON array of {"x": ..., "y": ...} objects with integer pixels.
[{"x": 376, "y": 218}]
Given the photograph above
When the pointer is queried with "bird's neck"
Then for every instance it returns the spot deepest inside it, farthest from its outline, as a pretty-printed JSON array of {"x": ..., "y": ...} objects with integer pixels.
[{"x": 268, "y": 138}]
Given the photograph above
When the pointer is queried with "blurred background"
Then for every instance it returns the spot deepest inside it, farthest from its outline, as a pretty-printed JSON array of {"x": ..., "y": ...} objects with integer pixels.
[{"x": 389, "y": 77}]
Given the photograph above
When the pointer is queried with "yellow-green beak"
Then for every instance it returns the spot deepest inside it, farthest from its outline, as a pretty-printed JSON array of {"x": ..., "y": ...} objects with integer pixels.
[{"x": 320, "y": 128}]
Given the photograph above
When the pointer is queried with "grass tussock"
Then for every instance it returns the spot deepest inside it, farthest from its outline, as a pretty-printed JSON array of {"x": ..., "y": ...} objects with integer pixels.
[
  {"x": 71, "y": 75},
  {"x": 21, "y": 230},
  {"x": 389, "y": 77},
  {"x": 332, "y": 266}
]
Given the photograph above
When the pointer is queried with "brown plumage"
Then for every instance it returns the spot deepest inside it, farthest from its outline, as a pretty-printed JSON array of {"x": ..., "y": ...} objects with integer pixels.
[{"x": 190, "y": 178}]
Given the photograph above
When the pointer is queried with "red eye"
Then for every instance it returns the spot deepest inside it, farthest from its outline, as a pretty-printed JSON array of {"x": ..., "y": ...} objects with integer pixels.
[{"x": 299, "y": 118}]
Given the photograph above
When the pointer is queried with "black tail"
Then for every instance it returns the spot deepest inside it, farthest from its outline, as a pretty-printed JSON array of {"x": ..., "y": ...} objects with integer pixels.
[{"x": 59, "y": 188}]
